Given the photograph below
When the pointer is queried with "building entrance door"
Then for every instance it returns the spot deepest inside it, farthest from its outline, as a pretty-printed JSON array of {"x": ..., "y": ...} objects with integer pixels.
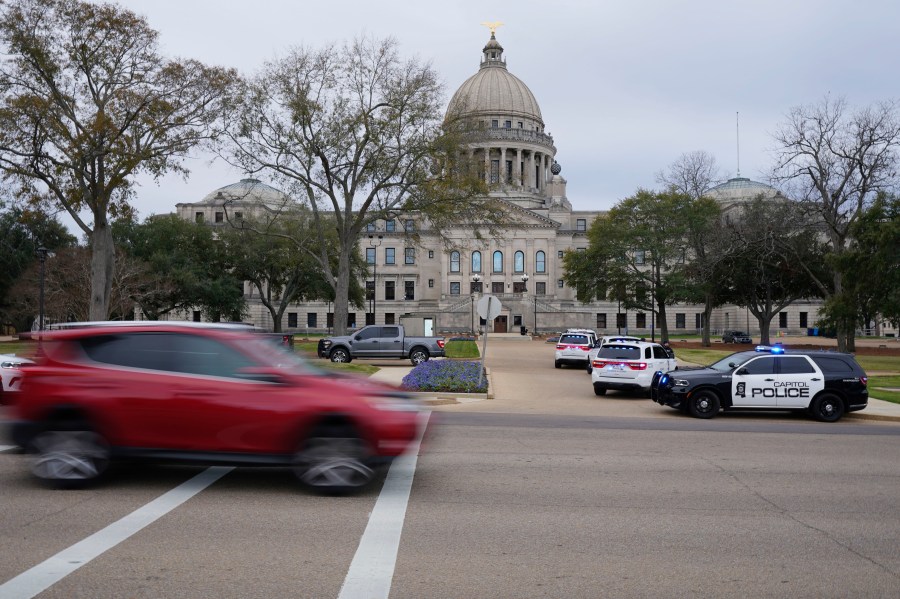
[{"x": 500, "y": 324}]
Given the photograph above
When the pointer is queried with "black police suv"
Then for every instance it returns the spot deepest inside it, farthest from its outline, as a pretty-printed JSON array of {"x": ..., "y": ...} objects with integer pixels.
[{"x": 825, "y": 383}]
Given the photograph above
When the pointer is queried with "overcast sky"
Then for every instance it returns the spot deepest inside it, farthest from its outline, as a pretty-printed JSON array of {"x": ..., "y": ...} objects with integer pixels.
[{"x": 625, "y": 86}]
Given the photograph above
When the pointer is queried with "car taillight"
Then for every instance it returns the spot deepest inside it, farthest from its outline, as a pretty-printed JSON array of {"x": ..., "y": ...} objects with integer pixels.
[
  {"x": 864, "y": 380},
  {"x": 637, "y": 365},
  {"x": 598, "y": 364},
  {"x": 440, "y": 343},
  {"x": 560, "y": 346}
]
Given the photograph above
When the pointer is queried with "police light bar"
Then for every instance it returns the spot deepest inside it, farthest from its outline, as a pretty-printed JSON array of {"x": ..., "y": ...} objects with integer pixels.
[{"x": 774, "y": 349}]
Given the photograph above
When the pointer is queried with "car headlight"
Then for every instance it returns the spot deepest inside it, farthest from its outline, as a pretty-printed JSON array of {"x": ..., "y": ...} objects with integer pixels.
[
  {"x": 680, "y": 383},
  {"x": 398, "y": 403}
]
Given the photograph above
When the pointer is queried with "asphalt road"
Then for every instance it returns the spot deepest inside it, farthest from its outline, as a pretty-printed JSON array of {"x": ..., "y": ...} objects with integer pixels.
[{"x": 546, "y": 491}]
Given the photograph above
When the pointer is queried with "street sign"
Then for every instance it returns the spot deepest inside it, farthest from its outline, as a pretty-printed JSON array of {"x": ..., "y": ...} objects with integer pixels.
[{"x": 489, "y": 307}]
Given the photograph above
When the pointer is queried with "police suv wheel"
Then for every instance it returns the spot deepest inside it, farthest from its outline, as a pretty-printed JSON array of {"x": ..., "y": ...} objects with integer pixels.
[
  {"x": 599, "y": 389},
  {"x": 703, "y": 404},
  {"x": 828, "y": 408}
]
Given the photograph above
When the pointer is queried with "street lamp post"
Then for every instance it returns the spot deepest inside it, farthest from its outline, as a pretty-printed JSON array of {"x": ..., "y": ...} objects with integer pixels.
[
  {"x": 525, "y": 292},
  {"x": 374, "y": 242},
  {"x": 475, "y": 280},
  {"x": 42, "y": 253}
]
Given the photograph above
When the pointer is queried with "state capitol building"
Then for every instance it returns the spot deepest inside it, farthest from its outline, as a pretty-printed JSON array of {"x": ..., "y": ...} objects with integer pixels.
[{"x": 435, "y": 289}]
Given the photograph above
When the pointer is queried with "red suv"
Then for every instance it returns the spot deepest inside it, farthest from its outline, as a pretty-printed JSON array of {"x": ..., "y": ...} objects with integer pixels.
[{"x": 213, "y": 394}]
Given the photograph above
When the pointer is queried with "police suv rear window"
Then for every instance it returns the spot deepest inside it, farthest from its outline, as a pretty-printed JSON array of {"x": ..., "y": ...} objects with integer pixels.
[
  {"x": 574, "y": 339},
  {"x": 829, "y": 364},
  {"x": 620, "y": 352}
]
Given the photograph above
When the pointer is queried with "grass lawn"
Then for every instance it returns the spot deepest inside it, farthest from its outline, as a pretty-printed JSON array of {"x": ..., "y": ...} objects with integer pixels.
[
  {"x": 20, "y": 348},
  {"x": 462, "y": 349}
]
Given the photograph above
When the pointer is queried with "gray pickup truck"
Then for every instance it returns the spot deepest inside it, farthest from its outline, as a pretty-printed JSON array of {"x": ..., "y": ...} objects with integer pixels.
[{"x": 381, "y": 341}]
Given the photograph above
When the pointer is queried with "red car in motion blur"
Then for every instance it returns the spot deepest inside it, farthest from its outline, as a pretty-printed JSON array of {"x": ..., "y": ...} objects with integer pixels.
[{"x": 213, "y": 394}]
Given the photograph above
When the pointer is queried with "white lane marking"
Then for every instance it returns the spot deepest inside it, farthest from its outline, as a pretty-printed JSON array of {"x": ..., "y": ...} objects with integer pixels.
[
  {"x": 6, "y": 447},
  {"x": 372, "y": 568},
  {"x": 49, "y": 572}
]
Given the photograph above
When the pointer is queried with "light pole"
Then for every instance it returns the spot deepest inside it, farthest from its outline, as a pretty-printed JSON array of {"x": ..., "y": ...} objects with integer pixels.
[
  {"x": 374, "y": 242},
  {"x": 42, "y": 253},
  {"x": 525, "y": 293},
  {"x": 476, "y": 279}
]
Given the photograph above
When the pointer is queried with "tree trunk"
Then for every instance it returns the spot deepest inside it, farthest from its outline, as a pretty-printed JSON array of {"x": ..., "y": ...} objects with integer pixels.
[
  {"x": 103, "y": 266},
  {"x": 342, "y": 290},
  {"x": 707, "y": 312},
  {"x": 765, "y": 320},
  {"x": 663, "y": 326}
]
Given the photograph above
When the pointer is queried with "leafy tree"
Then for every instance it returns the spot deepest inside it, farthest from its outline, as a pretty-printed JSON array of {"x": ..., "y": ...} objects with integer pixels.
[
  {"x": 772, "y": 254},
  {"x": 836, "y": 162},
  {"x": 22, "y": 231},
  {"x": 87, "y": 104},
  {"x": 185, "y": 267},
  {"x": 637, "y": 253},
  {"x": 357, "y": 134}
]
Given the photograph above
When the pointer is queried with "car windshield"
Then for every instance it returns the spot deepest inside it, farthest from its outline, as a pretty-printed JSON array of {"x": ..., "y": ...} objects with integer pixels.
[
  {"x": 279, "y": 356},
  {"x": 620, "y": 352},
  {"x": 729, "y": 363}
]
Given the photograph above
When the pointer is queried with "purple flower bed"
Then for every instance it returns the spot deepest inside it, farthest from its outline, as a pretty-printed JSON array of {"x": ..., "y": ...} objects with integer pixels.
[{"x": 445, "y": 375}]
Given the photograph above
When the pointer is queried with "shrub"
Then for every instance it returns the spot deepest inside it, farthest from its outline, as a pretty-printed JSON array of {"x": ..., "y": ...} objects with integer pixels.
[{"x": 445, "y": 376}]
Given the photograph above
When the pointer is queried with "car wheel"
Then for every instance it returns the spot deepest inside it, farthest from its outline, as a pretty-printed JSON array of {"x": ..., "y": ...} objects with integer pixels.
[
  {"x": 69, "y": 458},
  {"x": 557, "y": 363},
  {"x": 828, "y": 408},
  {"x": 333, "y": 462},
  {"x": 340, "y": 355},
  {"x": 703, "y": 404},
  {"x": 599, "y": 389},
  {"x": 418, "y": 356},
  {"x": 589, "y": 368}
]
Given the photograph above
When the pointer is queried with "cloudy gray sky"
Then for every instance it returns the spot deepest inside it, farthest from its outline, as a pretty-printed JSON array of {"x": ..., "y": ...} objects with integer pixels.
[{"x": 625, "y": 86}]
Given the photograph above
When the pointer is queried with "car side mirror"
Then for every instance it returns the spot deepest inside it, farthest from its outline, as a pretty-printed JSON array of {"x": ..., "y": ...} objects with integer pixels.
[
  {"x": 741, "y": 371},
  {"x": 262, "y": 375}
]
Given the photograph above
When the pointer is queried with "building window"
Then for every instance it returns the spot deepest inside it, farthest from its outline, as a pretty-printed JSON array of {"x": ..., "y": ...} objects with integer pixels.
[
  {"x": 454, "y": 261},
  {"x": 431, "y": 253},
  {"x": 640, "y": 320},
  {"x": 389, "y": 256},
  {"x": 410, "y": 255},
  {"x": 238, "y": 216},
  {"x": 498, "y": 261},
  {"x": 803, "y": 320},
  {"x": 329, "y": 320},
  {"x": 454, "y": 288},
  {"x": 681, "y": 257},
  {"x": 370, "y": 318},
  {"x": 409, "y": 290},
  {"x": 475, "y": 287},
  {"x": 622, "y": 320},
  {"x": 196, "y": 315},
  {"x": 519, "y": 261},
  {"x": 508, "y": 177},
  {"x": 390, "y": 226},
  {"x": 389, "y": 318},
  {"x": 312, "y": 320},
  {"x": 639, "y": 256},
  {"x": 370, "y": 227},
  {"x": 698, "y": 321},
  {"x": 601, "y": 320},
  {"x": 508, "y": 124},
  {"x": 560, "y": 283},
  {"x": 198, "y": 217},
  {"x": 495, "y": 171},
  {"x": 370, "y": 290},
  {"x": 782, "y": 320},
  {"x": 540, "y": 262},
  {"x": 540, "y": 288},
  {"x": 519, "y": 287},
  {"x": 495, "y": 123},
  {"x": 388, "y": 290},
  {"x": 679, "y": 321},
  {"x": 351, "y": 320},
  {"x": 220, "y": 217},
  {"x": 581, "y": 224},
  {"x": 292, "y": 320},
  {"x": 476, "y": 261},
  {"x": 497, "y": 287},
  {"x": 559, "y": 254},
  {"x": 431, "y": 282},
  {"x": 409, "y": 225},
  {"x": 370, "y": 255},
  {"x": 521, "y": 125}
]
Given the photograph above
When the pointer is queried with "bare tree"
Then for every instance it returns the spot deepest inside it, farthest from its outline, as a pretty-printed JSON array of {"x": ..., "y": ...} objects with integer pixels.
[
  {"x": 692, "y": 173},
  {"x": 356, "y": 134},
  {"x": 87, "y": 104},
  {"x": 835, "y": 161}
]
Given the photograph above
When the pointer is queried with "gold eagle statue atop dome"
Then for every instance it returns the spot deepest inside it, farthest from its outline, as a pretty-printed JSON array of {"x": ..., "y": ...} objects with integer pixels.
[{"x": 492, "y": 25}]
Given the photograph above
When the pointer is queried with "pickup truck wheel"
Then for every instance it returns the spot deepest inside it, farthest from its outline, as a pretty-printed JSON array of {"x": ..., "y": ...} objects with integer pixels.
[
  {"x": 703, "y": 404},
  {"x": 418, "y": 355},
  {"x": 340, "y": 355},
  {"x": 69, "y": 458}
]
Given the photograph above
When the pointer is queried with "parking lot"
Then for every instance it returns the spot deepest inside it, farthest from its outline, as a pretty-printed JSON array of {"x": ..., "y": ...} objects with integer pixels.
[{"x": 544, "y": 491}]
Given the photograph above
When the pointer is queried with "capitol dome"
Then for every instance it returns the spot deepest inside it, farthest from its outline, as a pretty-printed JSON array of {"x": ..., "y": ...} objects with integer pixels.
[
  {"x": 741, "y": 189},
  {"x": 495, "y": 92},
  {"x": 249, "y": 189}
]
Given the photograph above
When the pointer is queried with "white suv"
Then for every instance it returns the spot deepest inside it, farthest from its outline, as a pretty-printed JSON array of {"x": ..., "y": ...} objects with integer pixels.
[
  {"x": 603, "y": 340},
  {"x": 573, "y": 347},
  {"x": 629, "y": 366}
]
